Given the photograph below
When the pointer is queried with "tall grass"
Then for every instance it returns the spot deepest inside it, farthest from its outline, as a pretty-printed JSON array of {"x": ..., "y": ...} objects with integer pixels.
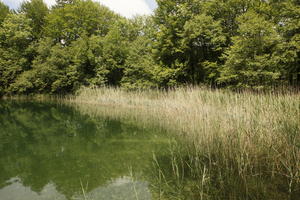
[{"x": 233, "y": 145}]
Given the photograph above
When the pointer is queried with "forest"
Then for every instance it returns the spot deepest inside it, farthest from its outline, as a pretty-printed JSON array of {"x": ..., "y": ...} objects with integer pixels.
[{"x": 235, "y": 44}]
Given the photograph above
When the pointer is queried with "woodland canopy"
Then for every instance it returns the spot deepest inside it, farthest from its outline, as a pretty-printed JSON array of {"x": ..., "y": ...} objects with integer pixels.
[{"x": 219, "y": 43}]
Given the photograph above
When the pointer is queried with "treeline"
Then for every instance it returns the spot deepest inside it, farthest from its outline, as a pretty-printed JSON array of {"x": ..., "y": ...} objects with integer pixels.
[{"x": 220, "y": 43}]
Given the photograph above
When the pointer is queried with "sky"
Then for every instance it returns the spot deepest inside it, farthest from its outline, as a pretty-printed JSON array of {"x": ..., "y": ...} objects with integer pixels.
[{"x": 127, "y": 8}]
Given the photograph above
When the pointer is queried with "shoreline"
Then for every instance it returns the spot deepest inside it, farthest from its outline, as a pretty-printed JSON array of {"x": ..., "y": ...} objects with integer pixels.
[
  {"x": 239, "y": 142},
  {"x": 242, "y": 136}
]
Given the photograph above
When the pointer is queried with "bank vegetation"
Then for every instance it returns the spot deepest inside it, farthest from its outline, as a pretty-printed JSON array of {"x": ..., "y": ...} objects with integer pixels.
[{"x": 231, "y": 145}]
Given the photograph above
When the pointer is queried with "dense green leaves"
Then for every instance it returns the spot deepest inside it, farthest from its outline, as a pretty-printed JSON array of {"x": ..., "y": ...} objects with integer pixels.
[
  {"x": 36, "y": 11},
  {"x": 68, "y": 23},
  {"x": 203, "y": 41},
  {"x": 232, "y": 43},
  {"x": 4, "y": 11},
  {"x": 250, "y": 61},
  {"x": 15, "y": 52}
]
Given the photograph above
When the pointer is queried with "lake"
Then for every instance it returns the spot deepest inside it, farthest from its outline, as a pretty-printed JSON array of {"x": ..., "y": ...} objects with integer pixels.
[{"x": 50, "y": 151}]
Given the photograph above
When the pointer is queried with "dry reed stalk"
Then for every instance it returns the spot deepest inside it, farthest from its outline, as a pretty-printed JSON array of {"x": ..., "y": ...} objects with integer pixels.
[{"x": 258, "y": 134}]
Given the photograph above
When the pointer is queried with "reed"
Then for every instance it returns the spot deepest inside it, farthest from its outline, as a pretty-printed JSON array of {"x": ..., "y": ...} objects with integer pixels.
[{"x": 232, "y": 145}]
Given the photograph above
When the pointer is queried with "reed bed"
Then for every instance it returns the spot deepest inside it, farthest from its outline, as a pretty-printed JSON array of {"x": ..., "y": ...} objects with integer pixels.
[{"x": 231, "y": 145}]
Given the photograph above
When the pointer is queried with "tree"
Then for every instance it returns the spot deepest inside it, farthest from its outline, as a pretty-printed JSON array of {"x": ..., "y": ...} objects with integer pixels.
[
  {"x": 251, "y": 60},
  {"x": 227, "y": 11},
  {"x": 188, "y": 40},
  {"x": 289, "y": 27},
  {"x": 36, "y": 11},
  {"x": 4, "y": 11},
  {"x": 62, "y": 3},
  {"x": 53, "y": 71},
  {"x": 141, "y": 71},
  {"x": 203, "y": 42},
  {"x": 235, "y": 43},
  {"x": 84, "y": 17},
  {"x": 170, "y": 17},
  {"x": 15, "y": 51},
  {"x": 114, "y": 53}
]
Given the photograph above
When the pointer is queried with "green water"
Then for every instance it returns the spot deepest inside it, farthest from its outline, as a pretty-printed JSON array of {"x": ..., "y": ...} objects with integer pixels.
[{"x": 54, "y": 152}]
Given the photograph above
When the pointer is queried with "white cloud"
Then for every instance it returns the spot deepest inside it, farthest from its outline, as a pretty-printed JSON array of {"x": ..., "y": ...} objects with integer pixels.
[
  {"x": 127, "y": 8},
  {"x": 49, "y": 2}
]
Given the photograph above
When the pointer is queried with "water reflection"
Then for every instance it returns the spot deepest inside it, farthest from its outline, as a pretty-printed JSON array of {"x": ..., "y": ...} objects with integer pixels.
[
  {"x": 54, "y": 149},
  {"x": 17, "y": 191},
  {"x": 124, "y": 188}
]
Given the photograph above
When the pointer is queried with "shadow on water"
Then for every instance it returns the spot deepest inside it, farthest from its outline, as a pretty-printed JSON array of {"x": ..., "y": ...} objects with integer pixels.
[{"x": 50, "y": 151}]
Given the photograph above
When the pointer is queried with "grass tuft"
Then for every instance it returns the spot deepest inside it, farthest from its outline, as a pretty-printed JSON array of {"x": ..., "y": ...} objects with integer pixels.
[{"x": 232, "y": 145}]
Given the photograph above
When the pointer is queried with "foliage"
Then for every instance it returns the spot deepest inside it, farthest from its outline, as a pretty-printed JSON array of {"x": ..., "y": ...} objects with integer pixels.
[
  {"x": 139, "y": 72},
  {"x": 68, "y": 23},
  {"x": 230, "y": 43},
  {"x": 36, "y": 11},
  {"x": 203, "y": 42},
  {"x": 15, "y": 51},
  {"x": 4, "y": 11},
  {"x": 290, "y": 48},
  {"x": 250, "y": 61}
]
